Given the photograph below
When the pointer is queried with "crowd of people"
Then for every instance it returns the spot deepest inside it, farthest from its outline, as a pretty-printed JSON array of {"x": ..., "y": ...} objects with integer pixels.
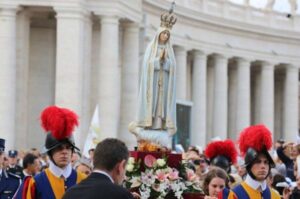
[
  {"x": 59, "y": 171},
  {"x": 261, "y": 168}
]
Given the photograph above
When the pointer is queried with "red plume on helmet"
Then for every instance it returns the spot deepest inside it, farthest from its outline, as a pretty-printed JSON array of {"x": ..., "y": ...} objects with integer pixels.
[
  {"x": 59, "y": 121},
  {"x": 224, "y": 148},
  {"x": 257, "y": 137}
]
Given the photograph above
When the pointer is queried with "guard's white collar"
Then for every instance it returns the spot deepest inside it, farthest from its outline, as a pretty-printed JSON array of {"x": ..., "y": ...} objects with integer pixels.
[
  {"x": 255, "y": 184},
  {"x": 58, "y": 172}
]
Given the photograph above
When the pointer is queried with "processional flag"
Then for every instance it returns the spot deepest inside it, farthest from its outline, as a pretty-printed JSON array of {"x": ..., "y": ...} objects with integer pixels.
[{"x": 93, "y": 137}]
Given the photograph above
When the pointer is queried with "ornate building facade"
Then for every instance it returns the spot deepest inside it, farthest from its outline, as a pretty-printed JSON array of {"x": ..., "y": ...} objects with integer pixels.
[{"x": 236, "y": 65}]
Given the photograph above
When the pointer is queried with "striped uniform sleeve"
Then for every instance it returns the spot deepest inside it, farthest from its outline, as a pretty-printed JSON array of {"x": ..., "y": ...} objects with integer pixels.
[
  {"x": 80, "y": 177},
  {"x": 31, "y": 189},
  {"x": 227, "y": 194}
]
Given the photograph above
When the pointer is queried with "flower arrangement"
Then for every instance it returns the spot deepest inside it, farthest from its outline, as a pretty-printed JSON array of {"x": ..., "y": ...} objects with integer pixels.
[
  {"x": 153, "y": 178},
  {"x": 192, "y": 180}
]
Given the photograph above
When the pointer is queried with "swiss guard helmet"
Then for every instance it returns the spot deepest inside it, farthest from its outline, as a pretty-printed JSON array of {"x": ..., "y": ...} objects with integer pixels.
[
  {"x": 222, "y": 154},
  {"x": 59, "y": 123},
  {"x": 253, "y": 141}
]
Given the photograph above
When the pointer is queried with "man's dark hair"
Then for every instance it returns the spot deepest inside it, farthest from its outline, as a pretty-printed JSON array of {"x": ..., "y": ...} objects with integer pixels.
[
  {"x": 28, "y": 160},
  {"x": 110, "y": 152}
]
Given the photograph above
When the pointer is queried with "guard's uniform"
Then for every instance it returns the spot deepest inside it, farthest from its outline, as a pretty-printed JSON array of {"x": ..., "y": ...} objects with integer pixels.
[
  {"x": 17, "y": 170},
  {"x": 48, "y": 186},
  {"x": 9, "y": 184},
  {"x": 254, "y": 143},
  {"x": 244, "y": 191},
  {"x": 14, "y": 169},
  {"x": 54, "y": 181}
]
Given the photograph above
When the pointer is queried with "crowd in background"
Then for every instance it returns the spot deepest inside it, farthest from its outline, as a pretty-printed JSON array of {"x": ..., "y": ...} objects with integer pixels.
[
  {"x": 29, "y": 163},
  {"x": 285, "y": 175}
]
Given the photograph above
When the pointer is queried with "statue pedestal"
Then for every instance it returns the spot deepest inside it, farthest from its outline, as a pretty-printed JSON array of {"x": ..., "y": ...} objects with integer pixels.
[
  {"x": 173, "y": 160},
  {"x": 193, "y": 196}
]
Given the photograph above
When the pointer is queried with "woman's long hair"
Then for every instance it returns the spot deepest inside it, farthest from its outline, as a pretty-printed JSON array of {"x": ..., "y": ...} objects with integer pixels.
[{"x": 213, "y": 173}]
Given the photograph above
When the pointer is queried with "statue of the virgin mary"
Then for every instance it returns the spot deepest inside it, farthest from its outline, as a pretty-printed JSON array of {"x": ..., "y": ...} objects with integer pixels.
[{"x": 156, "y": 113}]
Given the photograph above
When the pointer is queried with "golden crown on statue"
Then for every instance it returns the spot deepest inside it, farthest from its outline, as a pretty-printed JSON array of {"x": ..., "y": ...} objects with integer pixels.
[{"x": 168, "y": 19}]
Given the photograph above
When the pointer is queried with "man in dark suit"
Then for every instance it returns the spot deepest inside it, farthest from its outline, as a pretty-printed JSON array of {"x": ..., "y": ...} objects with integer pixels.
[
  {"x": 9, "y": 182},
  {"x": 110, "y": 159}
]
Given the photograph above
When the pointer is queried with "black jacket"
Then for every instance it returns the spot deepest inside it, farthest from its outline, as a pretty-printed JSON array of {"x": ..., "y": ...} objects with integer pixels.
[{"x": 97, "y": 186}]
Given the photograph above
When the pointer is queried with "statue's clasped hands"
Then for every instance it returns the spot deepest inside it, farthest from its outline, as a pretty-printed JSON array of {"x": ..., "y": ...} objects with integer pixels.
[{"x": 163, "y": 55}]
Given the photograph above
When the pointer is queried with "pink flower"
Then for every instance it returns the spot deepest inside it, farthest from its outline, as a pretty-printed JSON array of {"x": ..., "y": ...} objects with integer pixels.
[
  {"x": 161, "y": 176},
  {"x": 149, "y": 161},
  {"x": 190, "y": 175},
  {"x": 173, "y": 175}
]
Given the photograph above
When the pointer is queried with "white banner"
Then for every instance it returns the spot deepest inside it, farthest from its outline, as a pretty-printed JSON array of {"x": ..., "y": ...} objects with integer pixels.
[{"x": 93, "y": 136}]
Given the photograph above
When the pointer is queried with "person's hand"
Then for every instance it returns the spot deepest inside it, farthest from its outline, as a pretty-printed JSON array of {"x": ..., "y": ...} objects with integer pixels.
[
  {"x": 286, "y": 193},
  {"x": 136, "y": 195}
]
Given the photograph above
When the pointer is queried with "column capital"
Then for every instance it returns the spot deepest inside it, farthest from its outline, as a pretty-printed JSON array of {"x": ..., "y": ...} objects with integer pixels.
[
  {"x": 107, "y": 19},
  {"x": 71, "y": 12},
  {"x": 242, "y": 60},
  {"x": 291, "y": 67},
  {"x": 132, "y": 26},
  {"x": 267, "y": 64},
  {"x": 199, "y": 53},
  {"x": 8, "y": 10},
  {"x": 220, "y": 56}
]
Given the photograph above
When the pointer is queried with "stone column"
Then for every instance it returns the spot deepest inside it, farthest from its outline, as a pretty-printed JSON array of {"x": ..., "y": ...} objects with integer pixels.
[
  {"x": 7, "y": 74},
  {"x": 243, "y": 94},
  {"x": 267, "y": 95},
  {"x": 130, "y": 81},
  {"x": 291, "y": 98},
  {"x": 23, "y": 40},
  {"x": 199, "y": 99},
  {"x": 109, "y": 77},
  {"x": 181, "y": 72},
  {"x": 70, "y": 62},
  {"x": 220, "y": 96},
  {"x": 87, "y": 109}
]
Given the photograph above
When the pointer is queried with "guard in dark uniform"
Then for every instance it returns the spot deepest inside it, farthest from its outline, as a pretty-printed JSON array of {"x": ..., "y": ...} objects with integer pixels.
[
  {"x": 9, "y": 182},
  {"x": 13, "y": 166}
]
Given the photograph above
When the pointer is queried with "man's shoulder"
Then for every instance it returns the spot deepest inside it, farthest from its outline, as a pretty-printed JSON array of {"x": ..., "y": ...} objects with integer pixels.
[
  {"x": 13, "y": 176},
  {"x": 115, "y": 191},
  {"x": 40, "y": 174},
  {"x": 97, "y": 186}
]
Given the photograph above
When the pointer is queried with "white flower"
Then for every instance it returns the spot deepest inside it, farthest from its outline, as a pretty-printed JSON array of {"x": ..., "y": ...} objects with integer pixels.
[
  {"x": 145, "y": 192},
  {"x": 131, "y": 160},
  {"x": 136, "y": 182},
  {"x": 129, "y": 167},
  {"x": 161, "y": 162}
]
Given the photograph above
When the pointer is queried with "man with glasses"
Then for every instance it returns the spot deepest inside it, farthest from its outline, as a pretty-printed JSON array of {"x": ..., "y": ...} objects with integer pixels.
[{"x": 9, "y": 182}]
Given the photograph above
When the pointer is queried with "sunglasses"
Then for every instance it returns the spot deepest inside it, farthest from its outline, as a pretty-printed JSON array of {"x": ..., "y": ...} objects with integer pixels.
[{"x": 198, "y": 162}]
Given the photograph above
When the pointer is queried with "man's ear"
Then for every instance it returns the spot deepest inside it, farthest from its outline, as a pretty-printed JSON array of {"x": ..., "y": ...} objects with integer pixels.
[{"x": 121, "y": 166}]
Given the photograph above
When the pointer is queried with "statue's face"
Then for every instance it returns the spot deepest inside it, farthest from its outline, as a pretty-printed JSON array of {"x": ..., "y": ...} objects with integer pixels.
[{"x": 164, "y": 36}]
